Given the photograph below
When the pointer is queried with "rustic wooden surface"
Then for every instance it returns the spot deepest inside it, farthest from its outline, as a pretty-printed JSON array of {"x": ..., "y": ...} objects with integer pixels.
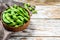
[
  {"x": 45, "y": 25},
  {"x": 35, "y": 38}
]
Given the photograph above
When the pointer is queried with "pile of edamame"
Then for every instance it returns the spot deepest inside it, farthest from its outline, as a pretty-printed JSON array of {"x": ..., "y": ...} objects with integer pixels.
[
  {"x": 30, "y": 8},
  {"x": 15, "y": 16}
]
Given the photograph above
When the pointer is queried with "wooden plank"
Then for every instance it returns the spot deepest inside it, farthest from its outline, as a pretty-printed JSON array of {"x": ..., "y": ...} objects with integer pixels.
[
  {"x": 40, "y": 27},
  {"x": 47, "y": 12},
  {"x": 43, "y": 11},
  {"x": 35, "y": 38}
]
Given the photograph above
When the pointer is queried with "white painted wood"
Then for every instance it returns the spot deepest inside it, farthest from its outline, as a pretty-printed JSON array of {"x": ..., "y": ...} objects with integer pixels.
[
  {"x": 46, "y": 12},
  {"x": 35, "y": 38},
  {"x": 42, "y": 27}
]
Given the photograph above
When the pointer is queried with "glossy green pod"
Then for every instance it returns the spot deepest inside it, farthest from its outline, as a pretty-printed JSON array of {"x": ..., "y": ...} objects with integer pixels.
[
  {"x": 21, "y": 18},
  {"x": 26, "y": 19},
  {"x": 19, "y": 22},
  {"x": 4, "y": 19}
]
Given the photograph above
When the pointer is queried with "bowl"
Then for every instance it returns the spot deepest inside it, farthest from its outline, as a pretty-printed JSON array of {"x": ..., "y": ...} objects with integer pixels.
[{"x": 14, "y": 29}]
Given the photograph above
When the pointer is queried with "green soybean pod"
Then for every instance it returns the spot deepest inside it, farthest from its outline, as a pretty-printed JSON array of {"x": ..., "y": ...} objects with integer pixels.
[
  {"x": 25, "y": 6},
  {"x": 9, "y": 10},
  {"x": 16, "y": 26},
  {"x": 12, "y": 24},
  {"x": 34, "y": 11},
  {"x": 4, "y": 19},
  {"x": 14, "y": 17},
  {"x": 20, "y": 13},
  {"x": 15, "y": 9},
  {"x": 33, "y": 7},
  {"x": 28, "y": 4},
  {"x": 11, "y": 7},
  {"x": 19, "y": 22},
  {"x": 8, "y": 18},
  {"x": 12, "y": 13},
  {"x": 21, "y": 18},
  {"x": 26, "y": 18},
  {"x": 21, "y": 9},
  {"x": 30, "y": 8},
  {"x": 5, "y": 12},
  {"x": 26, "y": 13},
  {"x": 15, "y": 6}
]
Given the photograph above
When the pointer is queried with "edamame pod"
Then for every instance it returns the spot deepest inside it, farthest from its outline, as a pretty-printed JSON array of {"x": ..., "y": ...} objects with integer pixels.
[
  {"x": 28, "y": 5},
  {"x": 8, "y": 18},
  {"x": 4, "y": 19},
  {"x": 33, "y": 7},
  {"x": 12, "y": 13},
  {"x": 25, "y": 5},
  {"x": 5, "y": 12},
  {"x": 15, "y": 6},
  {"x": 21, "y": 11},
  {"x": 16, "y": 26},
  {"x": 26, "y": 18},
  {"x": 20, "y": 14},
  {"x": 9, "y": 10},
  {"x": 21, "y": 18},
  {"x": 12, "y": 24},
  {"x": 30, "y": 8},
  {"x": 24, "y": 12},
  {"x": 19, "y": 22},
  {"x": 34, "y": 11},
  {"x": 14, "y": 17}
]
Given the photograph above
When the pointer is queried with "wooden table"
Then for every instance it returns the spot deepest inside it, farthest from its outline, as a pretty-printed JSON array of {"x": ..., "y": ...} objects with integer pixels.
[{"x": 45, "y": 25}]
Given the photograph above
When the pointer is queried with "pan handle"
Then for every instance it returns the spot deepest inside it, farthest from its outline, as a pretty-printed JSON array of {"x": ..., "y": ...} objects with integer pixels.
[{"x": 6, "y": 35}]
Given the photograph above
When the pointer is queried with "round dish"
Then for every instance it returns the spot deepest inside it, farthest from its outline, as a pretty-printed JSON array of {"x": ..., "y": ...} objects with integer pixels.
[{"x": 20, "y": 28}]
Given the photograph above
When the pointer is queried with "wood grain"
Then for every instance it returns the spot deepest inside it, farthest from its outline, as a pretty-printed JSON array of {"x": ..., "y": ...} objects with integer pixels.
[
  {"x": 45, "y": 25},
  {"x": 47, "y": 12},
  {"x": 40, "y": 27},
  {"x": 35, "y": 38}
]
